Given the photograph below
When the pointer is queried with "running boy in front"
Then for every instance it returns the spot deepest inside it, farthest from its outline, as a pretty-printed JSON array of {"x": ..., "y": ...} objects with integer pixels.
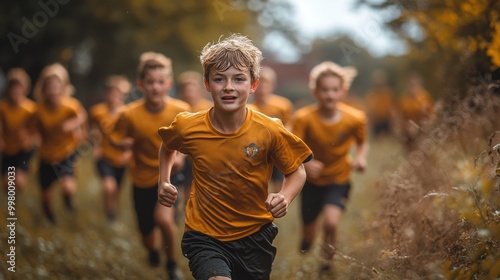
[{"x": 229, "y": 226}]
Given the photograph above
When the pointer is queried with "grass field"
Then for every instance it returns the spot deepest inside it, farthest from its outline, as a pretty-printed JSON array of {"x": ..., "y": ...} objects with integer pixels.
[{"x": 84, "y": 246}]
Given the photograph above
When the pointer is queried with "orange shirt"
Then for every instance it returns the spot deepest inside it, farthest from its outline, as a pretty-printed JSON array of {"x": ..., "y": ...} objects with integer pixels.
[
  {"x": 105, "y": 121},
  {"x": 231, "y": 171},
  {"x": 379, "y": 105},
  {"x": 142, "y": 125},
  {"x": 14, "y": 126},
  {"x": 417, "y": 107},
  {"x": 57, "y": 145},
  {"x": 202, "y": 105},
  {"x": 331, "y": 143},
  {"x": 276, "y": 107}
]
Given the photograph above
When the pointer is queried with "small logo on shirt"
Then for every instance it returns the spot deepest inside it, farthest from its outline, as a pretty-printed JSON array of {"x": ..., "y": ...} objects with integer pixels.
[{"x": 252, "y": 150}]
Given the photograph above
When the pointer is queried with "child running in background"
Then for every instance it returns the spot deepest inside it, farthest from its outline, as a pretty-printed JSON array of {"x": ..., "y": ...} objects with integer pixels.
[
  {"x": 415, "y": 107},
  {"x": 228, "y": 228},
  {"x": 111, "y": 161},
  {"x": 58, "y": 120},
  {"x": 274, "y": 106},
  {"x": 137, "y": 128},
  {"x": 329, "y": 128},
  {"x": 16, "y": 142},
  {"x": 192, "y": 91}
]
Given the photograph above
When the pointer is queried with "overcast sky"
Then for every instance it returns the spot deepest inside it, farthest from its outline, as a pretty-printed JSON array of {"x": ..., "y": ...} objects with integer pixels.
[{"x": 319, "y": 17}]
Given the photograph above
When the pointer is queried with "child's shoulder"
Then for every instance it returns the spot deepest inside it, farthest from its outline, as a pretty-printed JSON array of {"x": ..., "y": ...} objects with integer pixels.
[
  {"x": 177, "y": 104},
  {"x": 306, "y": 111},
  {"x": 352, "y": 114}
]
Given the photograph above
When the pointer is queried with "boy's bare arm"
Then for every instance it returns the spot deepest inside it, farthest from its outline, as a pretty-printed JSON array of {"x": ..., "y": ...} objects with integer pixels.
[
  {"x": 359, "y": 162},
  {"x": 167, "y": 193},
  {"x": 277, "y": 203},
  {"x": 75, "y": 122}
]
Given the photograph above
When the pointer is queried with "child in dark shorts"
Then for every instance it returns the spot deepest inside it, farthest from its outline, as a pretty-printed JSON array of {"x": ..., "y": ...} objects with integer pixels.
[{"x": 330, "y": 128}]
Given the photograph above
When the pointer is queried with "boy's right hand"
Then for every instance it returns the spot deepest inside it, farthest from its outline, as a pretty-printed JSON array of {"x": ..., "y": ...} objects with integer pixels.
[{"x": 167, "y": 194}]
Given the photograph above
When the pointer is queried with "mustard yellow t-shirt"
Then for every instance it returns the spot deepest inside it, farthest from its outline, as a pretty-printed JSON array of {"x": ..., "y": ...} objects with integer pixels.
[
  {"x": 14, "y": 126},
  {"x": 276, "y": 107},
  {"x": 330, "y": 143},
  {"x": 231, "y": 171},
  {"x": 105, "y": 121},
  {"x": 142, "y": 125},
  {"x": 379, "y": 105},
  {"x": 417, "y": 107},
  {"x": 57, "y": 145}
]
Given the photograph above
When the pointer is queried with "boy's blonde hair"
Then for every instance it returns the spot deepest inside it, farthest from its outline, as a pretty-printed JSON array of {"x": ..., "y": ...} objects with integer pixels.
[
  {"x": 53, "y": 70},
  {"x": 153, "y": 60},
  {"x": 20, "y": 76},
  {"x": 119, "y": 82},
  {"x": 235, "y": 51},
  {"x": 326, "y": 68}
]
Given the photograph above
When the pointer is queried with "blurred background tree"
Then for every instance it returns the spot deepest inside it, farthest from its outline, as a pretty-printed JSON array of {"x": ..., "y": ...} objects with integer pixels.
[
  {"x": 453, "y": 42},
  {"x": 97, "y": 38}
]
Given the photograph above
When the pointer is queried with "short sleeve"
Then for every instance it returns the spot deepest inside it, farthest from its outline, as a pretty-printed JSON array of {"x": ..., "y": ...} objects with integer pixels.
[
  {"x": 360, "y": 130},
  {"x": 170, "y": 134},
  {"x": 289, "y": 150}
]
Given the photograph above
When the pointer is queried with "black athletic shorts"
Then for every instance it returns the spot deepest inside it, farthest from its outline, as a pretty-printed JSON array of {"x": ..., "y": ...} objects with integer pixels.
[
  {"x": 314, "y": 197},
  {"x": 48, "y": 173},
  {"x": 249, "y": 258},
  {"x": 20, "y": 160},
  {"x": 277, "y": 175},
  {"x": 144, "y": 204},
  {"x": 105, "y": 169}
]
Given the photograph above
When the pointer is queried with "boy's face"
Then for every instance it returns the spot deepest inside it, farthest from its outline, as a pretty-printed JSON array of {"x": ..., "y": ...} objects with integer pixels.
[
  {"x": 230, "y": 89},
  {"x": 16, "y": 92},
  {"x": 114, "y": 97},
  {"x": 53, "y": 89},
  {"x": 191, "y": 92},
  {"x": 155, "y": 84},
  {"x": 266, "y": 87},
  {"x": 329, "y": 91}
]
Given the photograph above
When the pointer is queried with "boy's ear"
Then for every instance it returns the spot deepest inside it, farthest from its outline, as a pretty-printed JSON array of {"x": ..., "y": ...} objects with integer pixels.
[
  {"x": 254, "y": 86},
  {"x": 207, "y": 84}
]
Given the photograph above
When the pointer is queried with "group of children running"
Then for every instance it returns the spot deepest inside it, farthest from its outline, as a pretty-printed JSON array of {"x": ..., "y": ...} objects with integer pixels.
[{"x": 239, "y": 163}]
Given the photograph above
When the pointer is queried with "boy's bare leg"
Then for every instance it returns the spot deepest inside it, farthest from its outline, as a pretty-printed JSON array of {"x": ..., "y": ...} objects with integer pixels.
[
  {"x": 69, "y": 188},
  {"x": 332, "y": 214},
  {"x": 164, "y": 218},
  {"x": 309, "y": 232},
  {"x": 110, "y": 196}
]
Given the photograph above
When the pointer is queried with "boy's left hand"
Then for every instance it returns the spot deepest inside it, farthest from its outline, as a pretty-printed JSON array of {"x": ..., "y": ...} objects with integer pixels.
[
  {"x": 277, "y": 205},
  {"x": 359, "y": 164}
]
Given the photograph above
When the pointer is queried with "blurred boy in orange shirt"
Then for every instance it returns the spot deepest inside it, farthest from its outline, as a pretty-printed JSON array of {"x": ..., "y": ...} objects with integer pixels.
[
  {"x": 111, "y": 161},
  {"x": 274, "y": 106},
  {"x": 16, "y": 142},
  {"x": 329, "y": 128},
  {"x": 229, "y": 229},
  {"x": 415, "y": 106},
  {"x": 58, "y": 120},
  {"x": 191, "y": 91},
  {"x": 137, "y": 129},
  {"x": 380, "y": 104}
]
